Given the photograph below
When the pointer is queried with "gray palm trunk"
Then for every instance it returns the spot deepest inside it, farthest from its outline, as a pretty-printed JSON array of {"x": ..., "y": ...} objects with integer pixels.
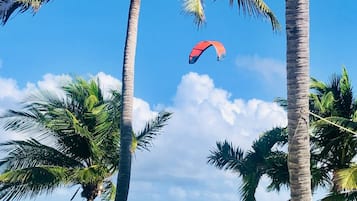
[
  {"x": 297, "y": 33},
  {"x": 126, "y": 130}
]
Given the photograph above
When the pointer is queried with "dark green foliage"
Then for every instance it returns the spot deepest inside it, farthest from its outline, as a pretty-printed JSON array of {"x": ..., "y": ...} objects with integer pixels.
[{"x": 263, "y": 159}]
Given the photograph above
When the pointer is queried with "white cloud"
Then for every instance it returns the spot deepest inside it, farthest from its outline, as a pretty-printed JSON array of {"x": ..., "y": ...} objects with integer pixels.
[
  {"x": 203, "y": 114},
  {"x": 9, "y": 88},
  {"x": 270, "y": 69},
  {"x": 178, "y": 193},
  {"x": 176, "y": 167},
  {"x": 108, "y": 83},
  {"x": 53, "y": 83}
]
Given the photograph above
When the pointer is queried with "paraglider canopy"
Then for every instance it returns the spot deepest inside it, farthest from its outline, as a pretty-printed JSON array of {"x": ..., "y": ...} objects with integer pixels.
[{"x": 200, "y": 47}]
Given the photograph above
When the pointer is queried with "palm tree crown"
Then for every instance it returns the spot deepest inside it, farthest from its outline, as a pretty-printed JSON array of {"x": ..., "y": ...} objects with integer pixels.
[
  {"x": 252, "y": 165},
  {"x": 74, "y": 140}
]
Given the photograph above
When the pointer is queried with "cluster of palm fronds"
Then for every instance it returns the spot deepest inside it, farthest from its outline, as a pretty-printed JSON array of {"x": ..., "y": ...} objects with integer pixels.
[
  {"x": 251, "y": 7},
  {"x": 73, "y": 140},
  {"x": 333, "y": 146}
]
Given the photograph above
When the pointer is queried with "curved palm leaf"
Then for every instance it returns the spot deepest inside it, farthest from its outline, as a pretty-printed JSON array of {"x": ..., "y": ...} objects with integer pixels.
[
  {"x": 8, "y": 7},
  {"x": 252, "y": 165},
  {"x": 338, "y": 196},
  {"x": 251, "y": 7},
  {"x": 347, "y": 178},
  {"x": 249, "y": 186},
  {"x": 277, "y": 170},
  {"x": 30, "y": 182},
  {"x": 152, "y": 129},
  {"x": 31, "y": 153},
  {"x": 226, "y": 157}
]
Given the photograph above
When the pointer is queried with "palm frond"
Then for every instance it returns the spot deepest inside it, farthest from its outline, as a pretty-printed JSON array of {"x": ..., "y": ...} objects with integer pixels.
[
  {"x": 275, "y": 136},
  {"x": 31, "y": 153},
  {"x": 345, "y": 83},
  {"x": 22, "y": 121},
  {"x": 320, "y": 175},
  {"x": 341, "y": 196},
  {"x": 195, "y": 8},
  {"x": 260, "y": 8},
  {"x": 251, "y": 7},
  {"x": 318, "y": 85},
  {"x": 347, "y": 178},
  {"x": 30, "y": 182},
  {"x": 323, "y": 103},
  {"x": 277, "y": 170},
  {"x": 226, "y": 157},
  {"x": 90, "y": 175},
  {"x": 249, "y": 186},
  {"x": 342, "y": 123},
  {"x": 282, "y": 102},
  {"x": 8, "y": 7},
  {"x": 108, "y": 191},
  {"x": 152, "y": 129}
]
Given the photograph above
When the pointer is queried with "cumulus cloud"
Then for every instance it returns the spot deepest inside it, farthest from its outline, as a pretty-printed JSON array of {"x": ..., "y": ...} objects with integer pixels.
[
  {"x": 176, "y": 168},
  {"x": 53, "y": 83},
  {"x": 108, "y": 83},
  {"x": 270, "y": 69},
  {"x": 9, "y": 88}
]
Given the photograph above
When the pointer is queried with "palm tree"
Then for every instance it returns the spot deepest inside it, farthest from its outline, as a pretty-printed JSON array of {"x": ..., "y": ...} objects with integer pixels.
[
  {"x": 257, "y": 7},
  {"x": 337, "y": 147},
  {"x": 297, "y": 33},
  {"x": 297, "y": 66},
  {"x": 265, "y": 158},
  {"x": 333, "y": 119},
  {"x": 123, "y": 179},
  {"x": 335, "y": 102},
  {"x": 128, "y": 84},
  {"x": 74, "y": 141},
  {"x": 252, "y": 165},
  {"x": 7, "y": 7}
]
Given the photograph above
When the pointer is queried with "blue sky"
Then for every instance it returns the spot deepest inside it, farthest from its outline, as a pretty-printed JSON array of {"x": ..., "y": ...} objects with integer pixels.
[{"x": 212, "y": 100}]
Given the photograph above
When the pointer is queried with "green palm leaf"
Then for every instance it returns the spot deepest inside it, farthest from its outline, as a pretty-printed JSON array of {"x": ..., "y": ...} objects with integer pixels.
[
  {"x": 109, "y": 191},
  {"x": 31, "y": 153},
  {"x": 90, "y": 175},
  {"x": 152, "y": 129},
  {"x": 341, "y": 196},
  {"x": 249, "y": 186},
  {"x": 226, "y": 157},
  {"x": 74, "y": 141},
  {"x": 251, "y": 7},
  {"x": 30, "y": 182},
  {"x": 347, "y": 178}
]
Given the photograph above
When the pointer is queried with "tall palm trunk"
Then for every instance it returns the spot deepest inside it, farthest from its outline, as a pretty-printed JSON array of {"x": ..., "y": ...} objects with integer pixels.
[
  {"x": 297, "y": 33},
  {"x": 123, "y": 179}
]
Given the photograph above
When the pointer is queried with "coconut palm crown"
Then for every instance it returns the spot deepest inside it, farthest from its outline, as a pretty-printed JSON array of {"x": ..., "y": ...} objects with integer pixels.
[{"x": 73, "y": 140}]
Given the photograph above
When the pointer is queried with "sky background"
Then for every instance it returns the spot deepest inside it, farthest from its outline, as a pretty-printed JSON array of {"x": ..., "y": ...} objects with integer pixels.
[{"x": 211, "y": 100}]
